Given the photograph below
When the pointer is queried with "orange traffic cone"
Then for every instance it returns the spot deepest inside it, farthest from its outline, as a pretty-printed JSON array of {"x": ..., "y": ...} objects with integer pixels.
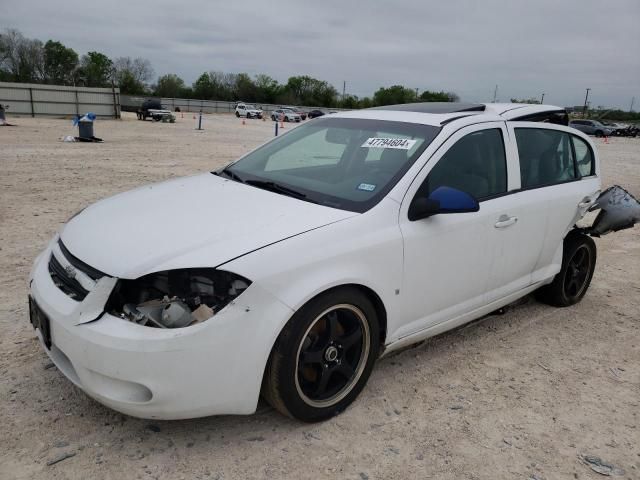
[
  {"x": 243, "y": 122},
  {"x": 606, "y": 139}
]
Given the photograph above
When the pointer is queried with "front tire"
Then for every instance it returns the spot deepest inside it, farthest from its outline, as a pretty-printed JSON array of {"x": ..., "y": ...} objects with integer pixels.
[
  {"x": 573, "y": 280},
  {"x": 323, "y": 356}
]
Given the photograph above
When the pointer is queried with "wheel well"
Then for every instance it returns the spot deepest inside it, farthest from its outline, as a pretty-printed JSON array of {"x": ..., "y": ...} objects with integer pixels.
[
  {"x": 377, "y": 304},
  {"x": 381, "y": 311}
]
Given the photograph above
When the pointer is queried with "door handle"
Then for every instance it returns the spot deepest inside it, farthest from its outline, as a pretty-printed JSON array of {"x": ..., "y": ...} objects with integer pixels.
[
  {"x": 505, "y": 221},
  {"x": 586, "y": 203}
]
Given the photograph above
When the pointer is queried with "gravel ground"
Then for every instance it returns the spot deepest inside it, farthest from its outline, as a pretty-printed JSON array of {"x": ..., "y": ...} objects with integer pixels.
[{"x": 522, "y": 395}]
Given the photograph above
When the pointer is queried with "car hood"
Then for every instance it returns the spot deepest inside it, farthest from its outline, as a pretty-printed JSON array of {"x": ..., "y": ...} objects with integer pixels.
[{"x": 200, "y": 221}]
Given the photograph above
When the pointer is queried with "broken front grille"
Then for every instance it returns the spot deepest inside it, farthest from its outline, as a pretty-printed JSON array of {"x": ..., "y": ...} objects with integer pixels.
[{"x": 65, "y": 277}]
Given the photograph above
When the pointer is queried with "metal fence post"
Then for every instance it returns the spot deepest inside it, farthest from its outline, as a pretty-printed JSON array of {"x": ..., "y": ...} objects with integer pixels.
[
  {"x": 115, "y": 105},
  {"x": 77, "y": 104},
  {"x": 33, "y": 113}
]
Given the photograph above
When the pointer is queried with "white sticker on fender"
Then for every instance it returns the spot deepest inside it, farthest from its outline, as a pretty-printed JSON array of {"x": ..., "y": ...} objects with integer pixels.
[{"x": 397, "y": 143}]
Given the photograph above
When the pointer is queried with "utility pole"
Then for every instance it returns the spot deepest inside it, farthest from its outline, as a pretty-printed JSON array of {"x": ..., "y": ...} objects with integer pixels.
[
  {"x": 584, "y": 109},
  {"x": 495, "y": 94},
  {"x": 416, "y": 93},
  {"x": 633, "y": 100},
  {"x": 542, "y": 99},
  {"x": 344, "y": 89}
]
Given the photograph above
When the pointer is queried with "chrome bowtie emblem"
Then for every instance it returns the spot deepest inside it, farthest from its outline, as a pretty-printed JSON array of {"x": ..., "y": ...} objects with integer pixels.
[{"x": 71, "y": 271}]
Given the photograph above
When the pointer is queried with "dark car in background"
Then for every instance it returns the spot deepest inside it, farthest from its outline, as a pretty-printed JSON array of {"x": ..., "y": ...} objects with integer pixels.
[
  {"x": 591, "y": 127},
  {"x": 152, "y": 108},
  {"x": 622, "y": 130},
  {"x": 315, "y": 113}
]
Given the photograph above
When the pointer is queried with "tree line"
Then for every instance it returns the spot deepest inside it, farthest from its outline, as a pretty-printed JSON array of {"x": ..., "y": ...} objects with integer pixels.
[{"x": 29, "y": 60}]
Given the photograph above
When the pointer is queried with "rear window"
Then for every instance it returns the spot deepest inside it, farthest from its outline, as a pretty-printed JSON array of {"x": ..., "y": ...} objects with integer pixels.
[
  {"x": 546, "y": 157},
  {"x": 584, "y": 157}
]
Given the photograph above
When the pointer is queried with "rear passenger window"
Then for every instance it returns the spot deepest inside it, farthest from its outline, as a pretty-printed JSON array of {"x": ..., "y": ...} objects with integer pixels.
[
  {"x": 476, "y": 164},
  {"x": 584, "y": 157},
  {"x": 546, "y": 157}
]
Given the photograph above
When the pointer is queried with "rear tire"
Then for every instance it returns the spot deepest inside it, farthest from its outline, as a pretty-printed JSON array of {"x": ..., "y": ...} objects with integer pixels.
[
  {"x": 323, "y": 357},
  {"x": 599, "y": 134},
  {"x": 573, "y": 280}
]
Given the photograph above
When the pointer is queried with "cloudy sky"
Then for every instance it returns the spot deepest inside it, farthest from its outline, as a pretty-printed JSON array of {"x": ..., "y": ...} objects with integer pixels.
[{"x": 559, "y": 47}]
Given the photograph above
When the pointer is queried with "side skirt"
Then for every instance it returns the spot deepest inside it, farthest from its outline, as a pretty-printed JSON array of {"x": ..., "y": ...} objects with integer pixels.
[{"x": 461, "y": 320}]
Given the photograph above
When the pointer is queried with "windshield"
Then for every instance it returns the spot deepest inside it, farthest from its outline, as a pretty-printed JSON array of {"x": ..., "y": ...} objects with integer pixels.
[
  {"x": 343, "y": 163},
  {"x": 248, "y": 106}
]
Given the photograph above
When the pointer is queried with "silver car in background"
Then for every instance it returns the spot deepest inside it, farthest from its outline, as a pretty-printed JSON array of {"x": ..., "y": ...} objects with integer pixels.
[{"x": 591, "y": 127}]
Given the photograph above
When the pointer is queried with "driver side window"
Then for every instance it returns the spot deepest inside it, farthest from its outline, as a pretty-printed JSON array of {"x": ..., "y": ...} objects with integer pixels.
[{"x": 475, "y": 164}]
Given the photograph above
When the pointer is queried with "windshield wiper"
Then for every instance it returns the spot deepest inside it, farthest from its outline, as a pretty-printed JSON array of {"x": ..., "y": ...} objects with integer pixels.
[
  {"x": 229, "y": 173},
  {"x": 276, "y": 187}
]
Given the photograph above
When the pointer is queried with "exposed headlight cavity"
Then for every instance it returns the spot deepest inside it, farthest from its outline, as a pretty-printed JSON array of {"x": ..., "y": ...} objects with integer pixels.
[{"x": 175, "y": 298}]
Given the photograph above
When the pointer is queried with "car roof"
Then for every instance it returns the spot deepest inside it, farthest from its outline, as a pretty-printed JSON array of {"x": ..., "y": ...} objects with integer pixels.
[
  {"x": 434, "y": 107},
  {"x": 441, "y": 113}
]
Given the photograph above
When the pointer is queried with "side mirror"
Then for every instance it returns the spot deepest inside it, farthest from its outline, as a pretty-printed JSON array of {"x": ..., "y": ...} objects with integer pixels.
[{"x": 442, "y": 200}]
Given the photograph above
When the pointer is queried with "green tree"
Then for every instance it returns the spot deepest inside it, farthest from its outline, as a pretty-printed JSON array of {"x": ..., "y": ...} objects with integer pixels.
[
  {"x": 310, "y": 91},
  {"x": 267, "y": 88},
  {"x": 393, "y": 95},
  {"x": 21, "y": 58},
  {"x": 365, "y": 102},
  {"x": 428, "y": 96},
  {"x": 169, "y": 85},
  {"x": 60, "y": 63},
  {"x": 129, "y": 85},
  {"x": 204, "y": 88},
  {"x": 349, "y": 101},
  {"x": 132, "y": 75},
  {"x": 245, "y": 89},
  {"x": 96, "y": 70},
  {"x": 525, "y": 100}
]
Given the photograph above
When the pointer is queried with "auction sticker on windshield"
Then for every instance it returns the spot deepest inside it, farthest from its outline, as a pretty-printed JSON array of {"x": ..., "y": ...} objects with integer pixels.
[{"x": 397, "y": 143}]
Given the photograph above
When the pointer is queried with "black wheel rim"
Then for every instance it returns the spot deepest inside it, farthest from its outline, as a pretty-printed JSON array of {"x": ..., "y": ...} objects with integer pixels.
[
  {"x": 332, "y": 355},
  {"x": 577, "y": 274}
]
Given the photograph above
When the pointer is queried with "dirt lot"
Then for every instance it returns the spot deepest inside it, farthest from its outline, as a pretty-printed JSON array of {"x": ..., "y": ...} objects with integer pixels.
[{"x": 521, "y": 395}]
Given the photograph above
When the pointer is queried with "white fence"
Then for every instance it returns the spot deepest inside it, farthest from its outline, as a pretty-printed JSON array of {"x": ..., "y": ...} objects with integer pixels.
[
  {"x": 55, "y": 100},
  {"x": 132, "y": 103}
]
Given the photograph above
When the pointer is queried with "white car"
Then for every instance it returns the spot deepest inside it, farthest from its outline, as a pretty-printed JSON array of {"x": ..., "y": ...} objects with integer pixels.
[
  {"x": 248, "y": 110},
  {"x": 347, "y": 238},
  {"x": 285, "y": 114}
]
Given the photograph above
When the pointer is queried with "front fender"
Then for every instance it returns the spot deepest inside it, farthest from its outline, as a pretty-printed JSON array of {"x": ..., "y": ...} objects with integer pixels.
[{"x": 365, "y": 250}]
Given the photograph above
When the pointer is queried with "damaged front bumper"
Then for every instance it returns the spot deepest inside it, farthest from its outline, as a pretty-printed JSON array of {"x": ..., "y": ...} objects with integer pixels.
[{"x": 210, "y": 368}]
